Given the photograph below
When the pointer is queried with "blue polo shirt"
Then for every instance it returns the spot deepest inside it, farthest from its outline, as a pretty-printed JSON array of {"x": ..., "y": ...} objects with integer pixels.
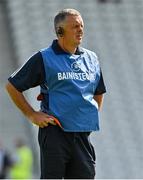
[{"x": 68, "y": 82}]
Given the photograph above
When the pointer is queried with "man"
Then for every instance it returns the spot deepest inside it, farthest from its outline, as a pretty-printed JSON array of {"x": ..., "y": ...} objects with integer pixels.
[
  {"x": 5, "y": 162},
  {"x": 22, "y": 161},
  {"x": 72, "y": 90}
]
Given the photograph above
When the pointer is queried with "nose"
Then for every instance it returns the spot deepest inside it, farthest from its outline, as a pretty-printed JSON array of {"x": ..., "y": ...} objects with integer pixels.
[{"x": 80, "y": 28}]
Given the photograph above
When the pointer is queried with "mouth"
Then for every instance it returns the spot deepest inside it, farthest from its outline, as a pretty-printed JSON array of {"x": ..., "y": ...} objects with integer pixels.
[{"x": 79, "y": 36}]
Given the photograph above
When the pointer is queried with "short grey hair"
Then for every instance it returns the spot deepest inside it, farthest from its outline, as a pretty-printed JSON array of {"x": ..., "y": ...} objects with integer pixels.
[{"x": 61, "y": 16}]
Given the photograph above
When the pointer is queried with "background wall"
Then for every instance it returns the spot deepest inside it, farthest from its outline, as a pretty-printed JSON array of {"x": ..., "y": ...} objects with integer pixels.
[{"x": 115, "y": 32}]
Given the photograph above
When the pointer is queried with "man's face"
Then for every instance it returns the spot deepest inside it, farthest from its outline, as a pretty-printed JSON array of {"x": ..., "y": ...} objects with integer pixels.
[{"x": 73, "y": 30}]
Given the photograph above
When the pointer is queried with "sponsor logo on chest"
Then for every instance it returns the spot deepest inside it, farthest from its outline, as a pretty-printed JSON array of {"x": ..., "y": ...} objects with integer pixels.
[{"x": 78, "y": 72}]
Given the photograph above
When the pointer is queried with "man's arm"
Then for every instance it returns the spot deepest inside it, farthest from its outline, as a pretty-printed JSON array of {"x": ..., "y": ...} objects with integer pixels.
[
  {"x": 39, "y": 118},
  {"x": 99, "y": 92},
  {"x": 99, "y": 100}
]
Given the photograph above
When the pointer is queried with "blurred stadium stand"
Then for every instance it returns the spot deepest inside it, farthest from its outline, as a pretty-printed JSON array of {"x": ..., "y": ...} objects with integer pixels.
[
  {"x": 109, "y": 1},
  {"x": 115, "y": 32}
]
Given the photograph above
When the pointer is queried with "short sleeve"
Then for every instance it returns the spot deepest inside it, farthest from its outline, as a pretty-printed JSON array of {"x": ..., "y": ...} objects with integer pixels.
[
  {"x": 31, "y": 74},
  {"x": 101, "y": 89}
]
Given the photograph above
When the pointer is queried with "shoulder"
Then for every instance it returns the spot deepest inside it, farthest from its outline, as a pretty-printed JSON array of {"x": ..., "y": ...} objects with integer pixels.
[
  {"x": 89, "y": 52},
  {"x": 35, "y": 61},
  {"x": 46, "y": 50},
  {"x": 36, "y": 58}
]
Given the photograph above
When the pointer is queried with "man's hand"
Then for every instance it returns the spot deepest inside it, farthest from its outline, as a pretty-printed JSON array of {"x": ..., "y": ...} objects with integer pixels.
[
  {"x": 38, "y": 118},
  {"x": 41, "y": 119}
]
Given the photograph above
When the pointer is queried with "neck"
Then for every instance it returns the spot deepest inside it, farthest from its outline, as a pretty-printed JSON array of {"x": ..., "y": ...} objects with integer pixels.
[{"x": 67, "y": 47}]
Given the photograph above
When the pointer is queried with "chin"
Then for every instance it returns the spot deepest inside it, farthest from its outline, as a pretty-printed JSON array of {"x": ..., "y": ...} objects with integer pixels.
[{"x": 79, "y": 42}]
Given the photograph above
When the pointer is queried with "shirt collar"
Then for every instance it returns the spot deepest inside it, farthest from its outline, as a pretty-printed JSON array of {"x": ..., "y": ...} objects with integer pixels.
[{"x": 58, "y": 50}]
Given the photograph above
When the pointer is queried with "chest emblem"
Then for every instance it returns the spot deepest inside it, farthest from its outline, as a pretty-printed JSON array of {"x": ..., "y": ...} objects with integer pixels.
[{"x": 75, "y": 66}]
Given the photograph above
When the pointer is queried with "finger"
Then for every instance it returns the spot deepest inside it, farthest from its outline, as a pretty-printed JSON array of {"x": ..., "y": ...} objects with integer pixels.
[
  {"x": 52, "y": 122},
  {"x": 41, "y": 126},
  {"x": 45, "y": 123}
]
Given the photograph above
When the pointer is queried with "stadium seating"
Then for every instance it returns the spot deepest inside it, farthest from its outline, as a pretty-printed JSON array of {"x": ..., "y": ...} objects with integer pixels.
[{"x": 114, "y": 32}]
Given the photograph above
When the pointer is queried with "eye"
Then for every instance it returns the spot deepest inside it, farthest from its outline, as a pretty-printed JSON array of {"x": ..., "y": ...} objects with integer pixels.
[{"x": 76, "y": 26}]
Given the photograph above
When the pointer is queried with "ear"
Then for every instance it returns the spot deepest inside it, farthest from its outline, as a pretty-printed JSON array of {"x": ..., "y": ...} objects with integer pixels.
[{"x": 60, "y": 31}]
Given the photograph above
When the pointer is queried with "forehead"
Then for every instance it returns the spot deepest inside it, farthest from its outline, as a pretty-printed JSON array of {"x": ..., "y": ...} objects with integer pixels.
[{"x": 74, "y": 19}]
